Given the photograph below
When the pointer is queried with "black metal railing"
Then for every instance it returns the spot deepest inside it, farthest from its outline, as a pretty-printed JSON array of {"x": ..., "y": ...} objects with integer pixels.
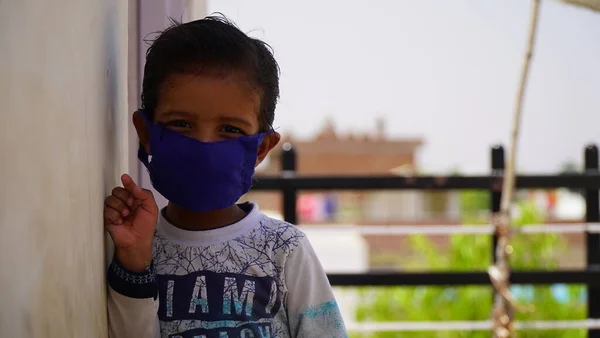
[{"x": 289, "y": 183}]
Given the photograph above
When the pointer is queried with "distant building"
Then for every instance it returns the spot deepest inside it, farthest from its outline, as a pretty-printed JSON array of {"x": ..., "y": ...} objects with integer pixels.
[{"x": 332, "y": 153}]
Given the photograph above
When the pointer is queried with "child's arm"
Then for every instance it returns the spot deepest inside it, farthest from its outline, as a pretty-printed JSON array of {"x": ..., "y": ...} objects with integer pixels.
[
  {"x": 130, "y": 216},
  {"x": 311, "y": 307},
  {"x": 132, "y": 303}
]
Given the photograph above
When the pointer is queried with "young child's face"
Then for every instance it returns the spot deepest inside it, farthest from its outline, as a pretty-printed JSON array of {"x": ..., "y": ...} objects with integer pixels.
[{"x": 208, "y": 108}]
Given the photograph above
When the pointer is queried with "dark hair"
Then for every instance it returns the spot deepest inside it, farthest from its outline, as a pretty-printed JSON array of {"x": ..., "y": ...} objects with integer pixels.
[{"x": 215, "y": 46}]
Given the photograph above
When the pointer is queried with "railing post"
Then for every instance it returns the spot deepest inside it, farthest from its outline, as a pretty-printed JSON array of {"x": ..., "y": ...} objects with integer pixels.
[
  {"x": 592, "y": 215},
  {"x": 288, "y": 167},
  {"x": 497, "y": 164}
]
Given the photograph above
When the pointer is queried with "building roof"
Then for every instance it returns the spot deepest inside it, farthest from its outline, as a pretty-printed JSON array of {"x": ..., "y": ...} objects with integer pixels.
[{"x": 329, "y": 141}]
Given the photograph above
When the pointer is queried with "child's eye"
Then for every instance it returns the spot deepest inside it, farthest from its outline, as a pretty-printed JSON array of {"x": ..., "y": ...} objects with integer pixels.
[
  {"x": 179, "y": 124},
  {"x": 231, "y": 130}
]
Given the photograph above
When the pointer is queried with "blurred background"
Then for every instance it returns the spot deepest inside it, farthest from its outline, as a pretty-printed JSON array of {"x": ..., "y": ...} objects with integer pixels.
[{"x": 379, "y": 87}]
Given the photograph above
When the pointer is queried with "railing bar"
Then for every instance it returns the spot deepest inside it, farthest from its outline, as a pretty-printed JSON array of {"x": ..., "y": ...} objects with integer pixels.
[
  {"x": 453, "y": 278},
  {"x": 454, "y": 229},
  {"x": 483, "y": 325}
]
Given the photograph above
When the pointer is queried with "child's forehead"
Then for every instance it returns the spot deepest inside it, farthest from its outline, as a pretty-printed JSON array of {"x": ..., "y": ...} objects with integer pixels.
[
  {"x": 231, "y": 84},
  {"x": 199, "y": 94}
]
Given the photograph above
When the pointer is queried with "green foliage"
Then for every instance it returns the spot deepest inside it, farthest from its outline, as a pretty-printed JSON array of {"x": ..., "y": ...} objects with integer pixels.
[
  {"x": 469, "y": 253},
  {"x": 475, "y": 205}
]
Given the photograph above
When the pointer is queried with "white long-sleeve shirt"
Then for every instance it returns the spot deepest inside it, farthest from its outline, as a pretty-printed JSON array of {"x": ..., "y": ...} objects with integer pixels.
[{"x": 257, "y": 278}]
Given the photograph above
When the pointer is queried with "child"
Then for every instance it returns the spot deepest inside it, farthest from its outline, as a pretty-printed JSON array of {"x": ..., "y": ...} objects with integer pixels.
[{"x": 205, "y": 266}]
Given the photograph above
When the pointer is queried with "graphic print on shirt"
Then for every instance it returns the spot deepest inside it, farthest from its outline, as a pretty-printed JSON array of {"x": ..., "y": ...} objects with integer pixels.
[
  {"x": 229, "y": 290},
  {"x": 221, "y": 302}
]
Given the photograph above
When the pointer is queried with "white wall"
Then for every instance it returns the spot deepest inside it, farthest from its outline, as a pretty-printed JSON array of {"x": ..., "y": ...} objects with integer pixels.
[
  {"x": 64, "y": 125},
  {"x": 195, "y": 9}
]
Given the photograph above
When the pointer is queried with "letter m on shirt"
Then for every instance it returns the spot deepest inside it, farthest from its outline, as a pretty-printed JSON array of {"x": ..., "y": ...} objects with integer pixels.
[{"x": 236, "y": 299}]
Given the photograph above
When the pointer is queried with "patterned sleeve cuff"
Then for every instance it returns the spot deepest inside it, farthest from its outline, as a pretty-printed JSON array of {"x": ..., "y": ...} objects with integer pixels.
[{"x": 132, "y": 284}]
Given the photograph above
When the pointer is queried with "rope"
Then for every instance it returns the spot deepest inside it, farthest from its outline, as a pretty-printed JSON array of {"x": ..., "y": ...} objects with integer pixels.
[{"x": 505, "y": 305}]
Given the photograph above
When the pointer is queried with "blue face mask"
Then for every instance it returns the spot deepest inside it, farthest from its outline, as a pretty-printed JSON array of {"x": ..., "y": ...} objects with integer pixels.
[{"x": 199, "y": 176}]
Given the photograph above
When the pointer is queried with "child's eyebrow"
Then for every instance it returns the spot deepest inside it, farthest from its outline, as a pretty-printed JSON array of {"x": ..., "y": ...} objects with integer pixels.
[
  {"x": 222, "y": 119},
  {"x": 236, "y": 120},
  {"x": 177, "y": 113}
]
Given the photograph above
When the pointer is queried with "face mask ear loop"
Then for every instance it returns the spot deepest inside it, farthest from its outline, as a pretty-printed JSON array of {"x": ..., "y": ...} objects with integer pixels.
[
  {"x": 152, "y": 127},
  {"x": 143, "y": 156},
  {"x": 145, "y": 116}
]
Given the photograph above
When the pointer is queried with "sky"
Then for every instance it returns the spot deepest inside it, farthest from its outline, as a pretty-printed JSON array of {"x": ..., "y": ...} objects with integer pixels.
[{"x": 444, "y": 71}]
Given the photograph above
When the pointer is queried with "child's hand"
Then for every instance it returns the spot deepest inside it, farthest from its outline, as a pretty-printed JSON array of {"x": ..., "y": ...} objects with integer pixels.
[{"x": 130, "y": 216}]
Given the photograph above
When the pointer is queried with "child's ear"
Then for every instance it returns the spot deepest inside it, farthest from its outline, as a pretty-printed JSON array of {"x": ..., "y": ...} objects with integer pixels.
[
  {"x": 269, "y": 142},
  {"x": 142, "y": 130}
]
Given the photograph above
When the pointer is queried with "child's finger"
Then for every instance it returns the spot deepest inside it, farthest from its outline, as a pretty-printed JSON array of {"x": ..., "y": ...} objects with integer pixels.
[
  {"x": 132, "y": 188},
  {"x": 112, "y": 216},
  {"x": 124, "y": 195},
  {"x": 117, "y": 204},
  {"x": 144, "y": 195}
]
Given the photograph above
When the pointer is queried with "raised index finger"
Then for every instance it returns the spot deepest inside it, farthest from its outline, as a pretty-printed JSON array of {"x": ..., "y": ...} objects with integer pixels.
[
  {"x": 135, "y": 190},
  {"x": 128, "y": 182}
]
